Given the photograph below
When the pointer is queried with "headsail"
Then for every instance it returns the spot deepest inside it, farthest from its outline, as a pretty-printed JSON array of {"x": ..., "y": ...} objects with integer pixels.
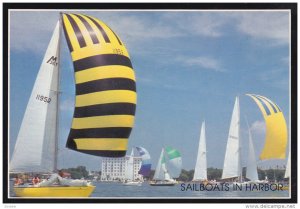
[
  {"x": 201, "y": 164},
  {"x": 251, "y": 163},
  {"x": 105, "y": 87},
  {"x": 146, "y": 164},
  {"x": 36, "y": 142},
  {"x": 276, "y": 129},
  {"x": 232, "y": 162}
]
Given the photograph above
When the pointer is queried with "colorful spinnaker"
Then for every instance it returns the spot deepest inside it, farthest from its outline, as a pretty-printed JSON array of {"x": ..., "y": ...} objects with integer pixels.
[
  {"x": 276, "y": 129},
  {"x": 105, "y": 87},
  {"x": 146, "y": 164},
  {"x": 174, "y": 161}
]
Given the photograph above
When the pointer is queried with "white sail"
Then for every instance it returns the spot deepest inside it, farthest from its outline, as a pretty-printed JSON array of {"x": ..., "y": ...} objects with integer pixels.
[
  {"x": 251, "y": 172},
  {"x": 129, "y": 174},
  {"x": 201, "y": 163},
  {"x": 232, "y": 162},
  {"x": 35, "y": 146},
  {"x": 160, "y": 167},
  {"x": 288, "y": 167}
]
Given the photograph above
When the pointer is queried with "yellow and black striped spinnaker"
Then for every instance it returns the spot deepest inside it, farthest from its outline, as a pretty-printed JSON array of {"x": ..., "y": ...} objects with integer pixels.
[
  {"x": 105, "y": 87},
  {"x": 276, "y": 129}
]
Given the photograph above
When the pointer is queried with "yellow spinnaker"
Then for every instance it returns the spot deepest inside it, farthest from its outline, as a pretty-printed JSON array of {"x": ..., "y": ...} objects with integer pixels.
[
  {"x": 105, "y": 87},
  {"x": 276, "y": 129}
]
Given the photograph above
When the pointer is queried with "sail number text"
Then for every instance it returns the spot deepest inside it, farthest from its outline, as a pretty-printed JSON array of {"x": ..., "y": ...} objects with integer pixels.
[{"x": 43, "y": 98}]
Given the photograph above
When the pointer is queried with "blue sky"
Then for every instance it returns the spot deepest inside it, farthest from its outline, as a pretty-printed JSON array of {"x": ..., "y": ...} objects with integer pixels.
[{"x": 189, "y": 65}]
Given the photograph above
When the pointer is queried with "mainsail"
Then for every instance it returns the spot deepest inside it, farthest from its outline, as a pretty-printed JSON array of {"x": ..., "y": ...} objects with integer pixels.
[
  {"x": 287, "y": 173},
  {"x": 201, "y": 164},
  {"x": 276, "y": 129},
  {"x": 146, "y": 164},
  {"x": 35, "y": 149},
  {"x": 160, "y": 167},
  {"x": 232, "y": 162},
  {"x": 105, "y": 88},
  {"x": 129, "y": 172}
]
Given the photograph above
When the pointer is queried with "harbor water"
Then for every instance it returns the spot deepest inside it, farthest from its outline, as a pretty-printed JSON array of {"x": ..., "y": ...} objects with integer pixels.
[{"x": 119, "y": 191}]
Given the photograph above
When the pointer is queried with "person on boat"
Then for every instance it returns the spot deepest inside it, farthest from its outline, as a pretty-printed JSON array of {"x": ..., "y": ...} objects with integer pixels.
[
  {"x": 35, "y": 180},
  {"x": 18, "y": 181}
]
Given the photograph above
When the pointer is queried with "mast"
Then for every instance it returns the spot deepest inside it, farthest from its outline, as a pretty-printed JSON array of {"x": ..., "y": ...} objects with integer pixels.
[{"x": 58, "y": 98}]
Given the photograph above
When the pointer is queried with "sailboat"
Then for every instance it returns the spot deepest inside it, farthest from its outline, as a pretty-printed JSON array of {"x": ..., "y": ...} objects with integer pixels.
[
  {"x": 145, "y": 169},
  {"x": 275, "y": 141},
  {"x": 168, "y": 167},
  {"x": 104, "y": 105},
  {"x": 232, "y": 164},
  {"x": 129, "y": 172},
  {"x": 276, "y": 129},
  {"x": 200, "y": 173}
]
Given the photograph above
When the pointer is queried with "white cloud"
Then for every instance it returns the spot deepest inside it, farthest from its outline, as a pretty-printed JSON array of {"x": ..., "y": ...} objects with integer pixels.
[
  {"x": 265, "y": 25},
  {"x": 258, "y": 127},
  {"x": 32, "y": 30},
  {"x": 202, "y": 62}
]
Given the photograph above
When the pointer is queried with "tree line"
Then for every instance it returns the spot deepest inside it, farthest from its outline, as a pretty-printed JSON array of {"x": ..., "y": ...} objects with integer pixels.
[{"x": 216, "y": 174}]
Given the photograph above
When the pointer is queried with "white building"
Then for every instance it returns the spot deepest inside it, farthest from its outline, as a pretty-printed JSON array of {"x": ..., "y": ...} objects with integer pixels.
[{"x": 113, "y": 169}]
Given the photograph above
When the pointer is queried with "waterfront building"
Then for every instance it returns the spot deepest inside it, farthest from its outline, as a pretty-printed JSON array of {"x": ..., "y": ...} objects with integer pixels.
[{"x": 114, "y": 169}]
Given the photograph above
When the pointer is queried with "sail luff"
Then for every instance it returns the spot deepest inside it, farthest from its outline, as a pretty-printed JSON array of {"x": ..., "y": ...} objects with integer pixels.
[
  {"x": 201, "y": 163},
  {"x": 232, "y": 167}
]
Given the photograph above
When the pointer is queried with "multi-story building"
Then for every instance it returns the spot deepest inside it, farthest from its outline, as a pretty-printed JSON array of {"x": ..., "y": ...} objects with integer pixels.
[{"x": 114, "y": 169}]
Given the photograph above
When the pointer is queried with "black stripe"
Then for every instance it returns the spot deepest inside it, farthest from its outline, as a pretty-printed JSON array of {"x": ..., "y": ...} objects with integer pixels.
[
  {"x": 101, "y": 60},
  {"x": 105, "y": 109},
  {"x": 100, "y": 29},
  {"x": 105, "y": 85},
  {"x": 89, "y": 29},
  {"x": 77, "y": 31},
  {"x": 268, "y": 112},
  {"x": 273, "y": 107},
  {"x": 114, "y": 132},
  {"x": 102, "y": 153},
  {"x": 67, "y": 37},
  {"x": 115, "y": 36}
]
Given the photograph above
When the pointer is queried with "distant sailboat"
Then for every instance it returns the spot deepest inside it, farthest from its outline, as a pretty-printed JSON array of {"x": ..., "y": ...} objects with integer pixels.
[
  {"x": 129, "y": 172},
  {"x": 232, "y": 163},
  {"x": 146, "y": 164},
  {"x": 168, "y": 167},
  {"x": 200, "y": 173},
  {"x": 104, "y": 105}
]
